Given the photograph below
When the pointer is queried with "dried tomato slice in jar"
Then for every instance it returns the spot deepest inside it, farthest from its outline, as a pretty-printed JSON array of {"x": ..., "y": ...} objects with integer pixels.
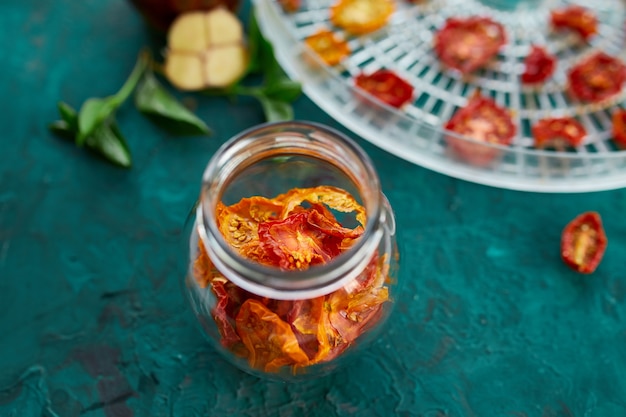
[
  {"x": 359, "y": 17},
  {"x": 577, "y": 18},
  {"x": 467, "y": 44},
  {"x": 386, "y": 86},
  {"x": 270, "y": 341},
  {"x": 328, "y": 46},
  {"x": 597, "y": 78},
  {"x": 539, "y": 65},
  {"x": 583, "y": 242},
  {"x": 482, "y": 120},
  {"x": 619, "y": 127},
  {"x": 558, "y": 132}
]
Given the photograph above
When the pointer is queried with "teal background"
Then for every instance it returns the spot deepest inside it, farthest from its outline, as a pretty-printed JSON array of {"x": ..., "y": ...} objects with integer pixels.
[{"x": 93, "y": 323}]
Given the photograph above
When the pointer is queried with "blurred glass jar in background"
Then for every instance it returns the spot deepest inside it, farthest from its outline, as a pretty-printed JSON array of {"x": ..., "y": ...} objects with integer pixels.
[{"x": 292, "y": 257}]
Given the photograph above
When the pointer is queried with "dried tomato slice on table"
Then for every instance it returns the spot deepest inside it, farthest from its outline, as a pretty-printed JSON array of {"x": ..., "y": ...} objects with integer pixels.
[
  {"x": 576, "y": 18},
  {"x": 583, "y": 242},
  {"x": 539, "y": 65},
  {"x": 467, "y": 44},
  {"x": 386, "y": 86},
  {"x": 558, "y": 132},
  {"x": 596, "y": 78},
  {"x": 359, "y": 17},
  {"x": 482, "y": 120}
]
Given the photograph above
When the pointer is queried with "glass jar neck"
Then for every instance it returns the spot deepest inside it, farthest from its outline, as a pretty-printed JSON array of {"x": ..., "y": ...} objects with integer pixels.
[{"x": 288, "y": 139}]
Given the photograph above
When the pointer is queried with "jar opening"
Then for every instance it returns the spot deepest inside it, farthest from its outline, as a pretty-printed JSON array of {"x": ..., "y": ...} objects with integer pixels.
[{"x": 272, "y": 159}]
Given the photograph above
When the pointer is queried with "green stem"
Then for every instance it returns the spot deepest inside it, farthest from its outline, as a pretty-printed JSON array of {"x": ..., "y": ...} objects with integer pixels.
[{"x": 132, "y": 80}]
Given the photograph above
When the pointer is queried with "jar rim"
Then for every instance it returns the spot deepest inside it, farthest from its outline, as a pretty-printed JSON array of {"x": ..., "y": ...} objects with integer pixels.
[{"x": 274, "y": 282}]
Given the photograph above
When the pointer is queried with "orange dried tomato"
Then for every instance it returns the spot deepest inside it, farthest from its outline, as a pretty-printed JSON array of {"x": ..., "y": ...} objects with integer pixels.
[
  {"x": 270, "y": 341},
  {"x": 361, "y": 16},
  {"x": 558, "y": 131},
  {"x": 577, "y": 18},
  {"x": 583, "y": 242},
  {"x": 328, "y": 46},
  {"x": 290, "y": 6},
  {"x": 597, "y": 78},
  {"x": 619, "y": 127}
]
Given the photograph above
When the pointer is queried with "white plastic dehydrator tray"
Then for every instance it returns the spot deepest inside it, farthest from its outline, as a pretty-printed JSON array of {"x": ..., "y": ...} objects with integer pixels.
[{"x": 415, "y": 132}]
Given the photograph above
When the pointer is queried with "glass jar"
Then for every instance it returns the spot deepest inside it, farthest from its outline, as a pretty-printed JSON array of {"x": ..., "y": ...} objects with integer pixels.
[{"x": 293, "y": 259}]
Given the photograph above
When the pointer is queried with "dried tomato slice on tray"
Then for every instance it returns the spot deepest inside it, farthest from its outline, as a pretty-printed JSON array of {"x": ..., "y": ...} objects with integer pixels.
[
  {"x": 583, "y": 242},
  {"x": 596, "y": 78},
  {"x": 467, "y": 44},
  {"x": 386, "y": 86},
  {"x": 359, "y": 17},
  {"x": 577, "y": 18},
  {"x": 328, "y": 46},
  {"x": 539, "y": 65},
  {"x": 482, "y": 120},
  {"x": 558, "y": 132},
  {"x": 619, "y": 127}
]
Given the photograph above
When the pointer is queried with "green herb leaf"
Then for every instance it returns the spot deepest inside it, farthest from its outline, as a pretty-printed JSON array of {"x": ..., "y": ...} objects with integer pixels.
[
  {"x": 108, "y": 141},
  {"x": 160, "y": 106},
  {"x": 92, "y": 113},
  {"x": 262, "y": 58},
  {"x": 275, "y": 110},
  {"x": 95, "y": 111},
  {"x": 284, "y": 90},
  {"x": 68, "y": 114},
  {"x": 62, "y": 129}
]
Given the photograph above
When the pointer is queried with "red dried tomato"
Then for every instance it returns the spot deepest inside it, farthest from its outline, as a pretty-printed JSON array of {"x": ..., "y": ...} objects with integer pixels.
[
  {"x": 386, "y": 86},
  {"x": 539, "y": 65},
  {"x": 558, "y": 131},
  {"x": 577, "y": 18},
  {"x": 619, "y": 127},
  {"x": 596, "y": 78},
  {"x": 483, "y": 121},
  {"x": 583, "y": 242},
  {"x": 270, "y": 341},
  {"x": 467, "y": 44}
]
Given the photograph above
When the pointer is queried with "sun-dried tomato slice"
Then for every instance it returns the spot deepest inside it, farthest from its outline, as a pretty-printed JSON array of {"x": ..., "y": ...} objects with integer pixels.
[
  {"x": 290, "y": 6},
  {"x": 483, "y": 121},
  {"x": 619, "y": 127},
  {"x": 361, "y": 16},
  {"x": 307, "y": 322},
  {"x": 558, "y": 132},
  {"x": 328, "y": 46},
  {"x": 597, "y": 78},
  {"x": 270, "y": 341},
  {"x": 539, "y": 65},
  {"x": 583, "y": 242},
  {"x": 467, "y": 44},
  {"x": 386, "y": 86},
  {"x": 577, "y": 18}
]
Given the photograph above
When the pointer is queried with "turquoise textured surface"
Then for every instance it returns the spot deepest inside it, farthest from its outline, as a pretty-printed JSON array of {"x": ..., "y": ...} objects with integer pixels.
[{"x": 93, "y": 322}]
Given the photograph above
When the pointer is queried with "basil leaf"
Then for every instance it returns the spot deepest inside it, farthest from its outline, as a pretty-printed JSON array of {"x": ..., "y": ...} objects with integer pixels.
[
  {"x": 107, "y": 140},
  {"x": 68, "y": 114},
  {"x": 62, "y": 129},
  {"x": 283, "y": 90},
  {"x": 275, "y": 110},
  {"x": 92, "y": 113},
  {"x": 162, "y": 108},
  {"x": 262, "y": 58}
]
